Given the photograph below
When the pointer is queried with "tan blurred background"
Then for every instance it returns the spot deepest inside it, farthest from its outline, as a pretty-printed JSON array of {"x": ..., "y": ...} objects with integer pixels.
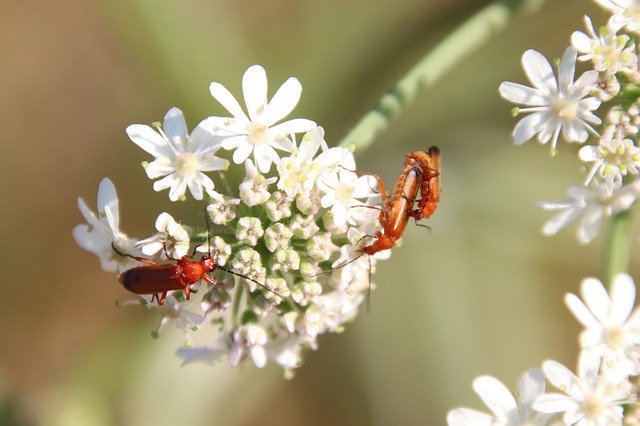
[{"x": 479, "y": 294}]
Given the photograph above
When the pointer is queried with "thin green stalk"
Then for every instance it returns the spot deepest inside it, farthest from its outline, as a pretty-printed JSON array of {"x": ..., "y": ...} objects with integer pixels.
[
  {"x": 435, "y": 64},
  {"x": 617, "y": 248}
]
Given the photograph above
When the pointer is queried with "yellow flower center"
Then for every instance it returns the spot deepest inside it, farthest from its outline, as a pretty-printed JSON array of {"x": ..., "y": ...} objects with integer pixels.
[
  {"x": 616, "y": 337},
  {"x": 258, "y": 133},
  {"x": 187, "y": 164},
  {"x": 594, "y": 406},
  {"x": 563, "y": 109}
]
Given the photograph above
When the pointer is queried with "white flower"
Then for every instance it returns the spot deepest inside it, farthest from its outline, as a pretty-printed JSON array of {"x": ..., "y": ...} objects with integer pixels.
[
  {"x": 204, "y": 354},
  {"x": 253, "y": 190},
  {"x": 555, "y": 106},
  {"x": 178, "y": 313},
  {"x": 103, "y": 230},
  {"x": 591, "y": 206},
  {"x": 258, "y": 132},
  {"x": 219, "y": 249},
  {"x": 611, "y": 331},
  {"x": 612, "y": 159},
  {"x": 277, "y": 236},
  {"x": 278, "y": 207},
  {"x": 608, "y": 51},
  {"x": 171, "y": 237},
  {"x": 626, "y": 13},
  {"x": 249, "y": 229},
  {"x": 221, "y": 209},
  {"x": 342, "y": 188},
  {"x": 180, "y": 157},
  {"x": 330, "y": 311},
  {"x": 588, "y": 399},
  {"x": 507, "y": 411},
  {"x": 250, "y": 337}
]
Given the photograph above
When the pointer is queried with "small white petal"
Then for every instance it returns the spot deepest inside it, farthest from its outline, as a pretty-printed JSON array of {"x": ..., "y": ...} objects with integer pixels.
[
  {"x": 527, "y": 127},
  {"x": 623, "y": 296},
  {"x": 555, "y": 403},
  {"x": 468, "y": 417},
  {"x": 559, "y": 376},
  {"x": 174, "y": 125},
  {"x": 520, "y": 94},
  {"x": 297, "y": 125},
  {"x": 149, "y": 140},
  {"x": 254, "y": 87},
  {"x": 581, "y": 312},
  {"x": 539, "y": 72},
  {"x": 581, "y": 41},
  {"x": 283, "y": 102},
  {"x": 530, "y": 386},
  {"x": 227, "y": 100},
  {"x": 495, "y": 395},
  {"x": 567, "y": 68}
]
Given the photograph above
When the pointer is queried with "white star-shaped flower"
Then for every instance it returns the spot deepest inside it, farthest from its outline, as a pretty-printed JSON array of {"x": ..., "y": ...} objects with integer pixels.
[
  {"x": 612, "y": 331},
  {"x": 588, "y": 399},
  {"x": 554, "y": 105},
  {"x": 592, "y": 206},
  {"x": 171, "y": 236},
  {"x": 180, "y": 157},
  {"x": 257, "y": 132},
  {"x": 103, "y": 230},
  {"x": 612, "y": 158},
  {"x": 249, "y": 337},
  {"x": 609, "y": 51},
  {"x": 626, "y": 13},
  {"x": 507, "y": 410}
]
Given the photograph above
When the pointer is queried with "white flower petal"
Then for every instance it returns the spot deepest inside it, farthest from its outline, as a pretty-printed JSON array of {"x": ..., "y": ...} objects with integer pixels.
[
  {"x": 242, "y": 152},
  {"x": 283, "y": 102},
  {"x": 559, "y": 376},
  {"x": 254, "y": 87},
  {"x": 297, "y": 125},
  {"x": 567, "y": 68},
  {"x": 175, "y": 127},
  {"x": 581, "y": 312},
  {"x": 178, "y": 188},
  {"x": 623, "y": 296},
  {"x": 555, "y": 403},
  {"x": 530, "y": 387},
  {"x": 227, "y": 100},
  {"x": 468, "y": 417},
  {"x": 520, "y": 94},
  {"x": 581, "y": 41},
  {"x": 495, "y": 395},
  {"x": 539, "y": 72},
  {"x": 591, "y": 220},
  {"x": 149, "y": 140},
  {"x": 527, "y": 127}
]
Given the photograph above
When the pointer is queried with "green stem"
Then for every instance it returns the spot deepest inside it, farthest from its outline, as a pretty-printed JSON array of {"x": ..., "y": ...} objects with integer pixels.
[
  {"x": 617, "y": 249},
  {"x": 435, "y": 64},
  {"x": 236, "y": 305}
]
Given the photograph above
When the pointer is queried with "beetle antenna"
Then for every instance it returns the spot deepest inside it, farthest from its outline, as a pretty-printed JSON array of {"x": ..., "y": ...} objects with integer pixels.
[{"x": 250, "y": 279}]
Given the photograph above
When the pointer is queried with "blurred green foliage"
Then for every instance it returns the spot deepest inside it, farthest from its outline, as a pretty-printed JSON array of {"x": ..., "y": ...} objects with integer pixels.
[{"x": 480, "y": 293}]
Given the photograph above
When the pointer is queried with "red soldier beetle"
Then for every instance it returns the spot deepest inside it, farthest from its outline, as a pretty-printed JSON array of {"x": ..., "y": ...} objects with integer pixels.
[
  {"x": 421, "y": 174},
  {"x": 160, "y": 279}
]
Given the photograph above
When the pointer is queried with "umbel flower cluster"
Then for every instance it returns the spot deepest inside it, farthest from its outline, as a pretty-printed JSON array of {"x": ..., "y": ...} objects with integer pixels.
[
  {"x": 280, "y": 236},
  {"x": 599, "y": 111}
]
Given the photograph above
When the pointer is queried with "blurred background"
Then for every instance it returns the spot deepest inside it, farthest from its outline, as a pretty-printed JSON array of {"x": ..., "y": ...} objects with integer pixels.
[{"x": 481, "y": 293}]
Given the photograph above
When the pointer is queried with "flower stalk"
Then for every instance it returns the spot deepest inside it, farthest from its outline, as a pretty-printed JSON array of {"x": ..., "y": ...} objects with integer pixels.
[
  {"x": 460, "y": 43},
  {"x": 617, "y": 246}
]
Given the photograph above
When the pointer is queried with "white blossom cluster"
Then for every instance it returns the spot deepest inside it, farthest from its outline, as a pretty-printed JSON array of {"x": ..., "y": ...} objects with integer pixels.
[
  {"x": 561, "y": 107},
  {"x": 604, "y": 389},
  {"x": 280, "y": 235}
]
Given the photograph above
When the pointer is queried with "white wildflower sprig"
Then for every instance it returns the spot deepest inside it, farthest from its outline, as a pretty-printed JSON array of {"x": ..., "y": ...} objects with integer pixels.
[
  {"x": 180, "y": 157},
  {"x": 269, "y": 235},
  {"x": 555, "y": 105},
  {"x": 257, "y": 132}
]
